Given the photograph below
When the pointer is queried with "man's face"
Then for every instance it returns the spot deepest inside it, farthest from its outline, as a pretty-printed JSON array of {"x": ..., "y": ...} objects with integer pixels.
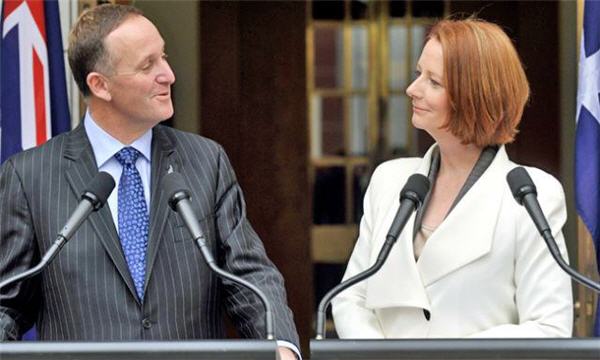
[{"x": 140, "y": 80}]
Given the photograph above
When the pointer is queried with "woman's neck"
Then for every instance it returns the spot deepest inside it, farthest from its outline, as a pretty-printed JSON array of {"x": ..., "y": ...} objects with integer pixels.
[{"x": 457, "y": 159}]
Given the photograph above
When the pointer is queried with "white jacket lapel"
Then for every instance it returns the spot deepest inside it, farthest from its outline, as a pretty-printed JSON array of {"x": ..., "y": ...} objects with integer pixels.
[
  {"x": 456, "y": 242},
  {"x": 398, "y": 282},
  {"x": 468, "y": 231}
]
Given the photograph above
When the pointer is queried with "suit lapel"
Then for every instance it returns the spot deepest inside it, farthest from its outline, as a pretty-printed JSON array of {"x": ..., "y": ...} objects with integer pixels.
[
  {"x": 164, "y": 157},
  {"x": 82, "y": 170},
  {"x": 467, "y": 233}
]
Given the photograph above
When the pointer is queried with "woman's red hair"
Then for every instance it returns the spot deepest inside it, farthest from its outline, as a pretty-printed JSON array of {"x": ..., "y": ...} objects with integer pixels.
[{"x": 485, "y": 81}]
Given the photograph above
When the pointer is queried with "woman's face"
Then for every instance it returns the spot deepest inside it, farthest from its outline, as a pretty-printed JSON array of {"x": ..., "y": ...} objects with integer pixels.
[{"x": 429, "y": 98}]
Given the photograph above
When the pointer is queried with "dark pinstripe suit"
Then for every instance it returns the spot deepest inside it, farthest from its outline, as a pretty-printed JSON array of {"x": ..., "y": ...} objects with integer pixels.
[{"x": 87, "y": 292}]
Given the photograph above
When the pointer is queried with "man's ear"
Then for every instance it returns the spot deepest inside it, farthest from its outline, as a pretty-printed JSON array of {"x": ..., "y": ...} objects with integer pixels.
[{"x": 98, "y": 85}]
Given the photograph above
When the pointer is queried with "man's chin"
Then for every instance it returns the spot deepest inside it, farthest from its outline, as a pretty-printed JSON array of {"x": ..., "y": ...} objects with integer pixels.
[{"x": 166, "y": 115}]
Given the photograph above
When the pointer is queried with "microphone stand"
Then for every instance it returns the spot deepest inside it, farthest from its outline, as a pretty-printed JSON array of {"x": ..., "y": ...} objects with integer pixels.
[
  {"x": 90, "y": 202},
  {"x": 183, "y": 207},
  {"x": 555, "y": 252},
  {"x": 411, "y": 196},
  {"x": 46, "y": 259},
  {"x": 200, "y": 241},
  {"x": 383, "y": 254},
  {"x": 525, "y": 193}
]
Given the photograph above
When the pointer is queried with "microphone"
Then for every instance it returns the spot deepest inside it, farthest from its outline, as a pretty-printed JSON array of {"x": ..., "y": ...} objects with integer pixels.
[
  {"x": 525, "y": 193},
  {"x": 179, "y": 201},
  {"x": 92, "y": 199},
  {"x": 411, "y": 197}
]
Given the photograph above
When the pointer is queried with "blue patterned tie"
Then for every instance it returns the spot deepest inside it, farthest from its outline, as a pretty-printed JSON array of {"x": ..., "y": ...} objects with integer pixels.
[{"x": 133, "y": 217}]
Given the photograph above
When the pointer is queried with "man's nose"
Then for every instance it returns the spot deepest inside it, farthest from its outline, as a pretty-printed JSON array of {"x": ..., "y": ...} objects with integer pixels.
[{"x": 166, "y": 74}]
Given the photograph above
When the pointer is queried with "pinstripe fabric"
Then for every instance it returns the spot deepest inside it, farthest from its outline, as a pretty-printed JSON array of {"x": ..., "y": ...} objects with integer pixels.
[{"x": 87, "y": 293}]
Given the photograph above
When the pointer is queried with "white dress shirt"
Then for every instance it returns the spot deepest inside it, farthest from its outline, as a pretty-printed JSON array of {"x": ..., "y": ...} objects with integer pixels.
[{"x": 105, "y": 147}]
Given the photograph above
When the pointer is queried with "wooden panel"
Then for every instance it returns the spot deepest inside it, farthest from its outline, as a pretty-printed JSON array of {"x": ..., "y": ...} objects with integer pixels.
[
  {"x": 254, "y": 104},
  {"x": 587, "y": 299},
  {"x": 220, "y": 74},
  {"x": 333, "y": 244}
]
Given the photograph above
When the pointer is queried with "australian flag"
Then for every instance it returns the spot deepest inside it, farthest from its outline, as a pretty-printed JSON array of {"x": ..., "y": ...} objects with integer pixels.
[
  {"x": 33, "y": 93},
  {"x": 587, "y": 141}
]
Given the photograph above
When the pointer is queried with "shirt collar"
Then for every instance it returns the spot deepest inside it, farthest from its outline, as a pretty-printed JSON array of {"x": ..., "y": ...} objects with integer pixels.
[{"x": 105, "y": 146}]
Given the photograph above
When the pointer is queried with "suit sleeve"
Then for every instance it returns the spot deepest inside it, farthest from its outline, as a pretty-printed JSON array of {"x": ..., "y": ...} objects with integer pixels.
[
  {"x": 352, "y": 318},
  {"x": 544, "y": 296},
  {"x": 243, "y": 254},
  {"x": 18, "y": 302}
]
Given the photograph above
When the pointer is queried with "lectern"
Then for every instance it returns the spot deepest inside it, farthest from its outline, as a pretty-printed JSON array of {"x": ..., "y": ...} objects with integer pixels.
[
  {"x": 175, "y": 350},
  {"x": 467, "y": 349}
]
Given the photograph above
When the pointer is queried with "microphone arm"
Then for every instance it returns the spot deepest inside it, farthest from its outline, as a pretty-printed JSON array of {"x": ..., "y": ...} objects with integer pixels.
[
  {"x": 525, "y": 193},
  {"x": 102, "y": 185},
  {"x": 46, "y": 259},
  {"x": 411, "y": 197},
  {"x": 533, "y": 207},
  {"x": 180, "y": 203}
]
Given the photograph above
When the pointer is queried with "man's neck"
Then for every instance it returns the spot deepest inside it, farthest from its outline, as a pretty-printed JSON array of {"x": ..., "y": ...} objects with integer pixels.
[{"x": 119, "y": 128}]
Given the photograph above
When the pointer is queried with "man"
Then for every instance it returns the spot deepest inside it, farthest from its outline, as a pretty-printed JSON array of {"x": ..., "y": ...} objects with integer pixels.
[{"x": 132, "y": 271}]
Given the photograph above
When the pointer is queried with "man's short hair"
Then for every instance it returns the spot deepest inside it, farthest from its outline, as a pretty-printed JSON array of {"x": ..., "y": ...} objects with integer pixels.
[
  {"x": 485, "y": 81},
  {"x": 87, "y": 51}
]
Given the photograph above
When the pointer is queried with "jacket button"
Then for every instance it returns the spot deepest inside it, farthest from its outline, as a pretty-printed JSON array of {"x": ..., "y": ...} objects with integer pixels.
[
  {"x": 146, "y": 324},
  {"x": 427, "y": 314}
]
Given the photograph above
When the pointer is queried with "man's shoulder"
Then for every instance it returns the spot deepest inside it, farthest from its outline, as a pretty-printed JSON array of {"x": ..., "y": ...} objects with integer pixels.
[
  {"x": 188, "y": 141},
  {"x": 54, "y": 147}
]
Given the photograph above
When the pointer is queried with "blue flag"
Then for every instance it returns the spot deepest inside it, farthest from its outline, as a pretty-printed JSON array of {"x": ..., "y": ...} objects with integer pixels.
[
  {"x": 587, "y": 141},
  {"x": 33, "y": 93}
]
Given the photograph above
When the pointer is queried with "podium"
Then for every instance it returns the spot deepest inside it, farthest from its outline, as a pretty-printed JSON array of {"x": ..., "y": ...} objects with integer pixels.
[
  {"x": 468, "y": 349},
  {"x": 147, "y": 350}
]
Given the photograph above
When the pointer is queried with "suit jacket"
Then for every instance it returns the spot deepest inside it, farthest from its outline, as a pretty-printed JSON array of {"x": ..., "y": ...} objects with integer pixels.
[
  {"x": 87, "y": 292},
  {"x": 484, "y": 272}
]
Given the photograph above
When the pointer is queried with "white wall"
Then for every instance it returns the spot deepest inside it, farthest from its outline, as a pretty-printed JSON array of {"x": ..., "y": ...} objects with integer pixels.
[{"x": 68, "y": 15}]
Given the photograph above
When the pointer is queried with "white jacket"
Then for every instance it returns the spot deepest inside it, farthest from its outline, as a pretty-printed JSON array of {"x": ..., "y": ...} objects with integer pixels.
[{"x": 484, "y": 272}]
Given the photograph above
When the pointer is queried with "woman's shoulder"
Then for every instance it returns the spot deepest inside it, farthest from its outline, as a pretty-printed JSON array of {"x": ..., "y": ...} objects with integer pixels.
[
  {"x": 395, "y": 172},
  {"x": 398, "y": 166},
  {"x": 546, "y": 184}
]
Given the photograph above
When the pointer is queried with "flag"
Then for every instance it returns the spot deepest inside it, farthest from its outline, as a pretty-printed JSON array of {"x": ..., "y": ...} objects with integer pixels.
[
  {"x": 33, "y": 93},
  {"x": 587, "y": 138}
]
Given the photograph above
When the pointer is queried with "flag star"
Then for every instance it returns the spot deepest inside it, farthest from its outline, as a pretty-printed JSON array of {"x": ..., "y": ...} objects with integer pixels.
[{"x": 589, "y": 83}]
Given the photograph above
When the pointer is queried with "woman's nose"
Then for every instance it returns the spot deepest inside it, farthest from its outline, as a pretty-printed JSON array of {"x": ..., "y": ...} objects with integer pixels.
[{"x": 413, "y": 89}]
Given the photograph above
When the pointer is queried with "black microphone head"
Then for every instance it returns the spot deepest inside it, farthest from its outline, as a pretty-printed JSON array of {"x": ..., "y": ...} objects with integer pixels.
[
  {"x": 416, "y": 188},
  {"x": 520, "y": 184},
  {"x": 175, "y": 187},
  {"x": 99, "y": 189}
]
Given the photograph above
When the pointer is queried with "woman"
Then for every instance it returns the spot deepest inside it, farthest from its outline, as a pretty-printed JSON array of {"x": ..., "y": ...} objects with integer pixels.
[{"x": 470, "y": 263}]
